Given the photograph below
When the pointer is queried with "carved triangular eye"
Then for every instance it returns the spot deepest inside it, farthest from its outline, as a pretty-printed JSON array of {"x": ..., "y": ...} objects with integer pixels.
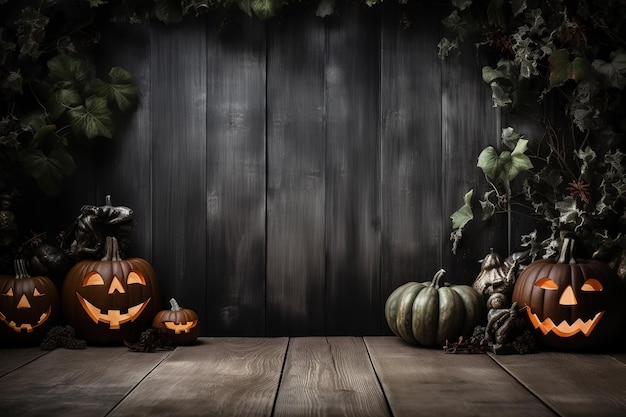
[
  {"x": 9, "y": 293},
  {"x": 36, "y": 293},
  {"x": 135, "y": 278},
  {"x": 547, "y": 284},
  {"x": 93, "y": 278},
  {"x": 592, "y": 285}
]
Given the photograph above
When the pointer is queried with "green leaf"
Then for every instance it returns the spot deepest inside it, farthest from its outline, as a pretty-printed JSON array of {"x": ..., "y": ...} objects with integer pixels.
[
  {"x": 614, "y": 72},
  {"x": 488, "y": 161},
  {"x": 462, "y": 4},
  {"x": 519, "y": 162},
  {"x": 325, "y": 8},
  {"x": 93, "y": 119},
  {"x": 510, "y": 137},
  {"x": 60, "y": 99},
  {"x": 463, "y": 26},
  {"x": 31, "y": 30},
  {"x": 488, "y": 207},
  {"x": 463, "y": 215},
  {"x": 120, "y": 91},
  {"x": 168, "y": 11},
  {"x": 562, "y": 69},
  {"x": 569, "y": 213},
  {"x": 67, "y": 69},
  {"x": 48, "y": 170},
  {"x": 262, "y": 9}
]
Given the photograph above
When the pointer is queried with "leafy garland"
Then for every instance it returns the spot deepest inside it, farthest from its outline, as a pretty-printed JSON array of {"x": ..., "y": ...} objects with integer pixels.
[{"x": 561, "y": 65}]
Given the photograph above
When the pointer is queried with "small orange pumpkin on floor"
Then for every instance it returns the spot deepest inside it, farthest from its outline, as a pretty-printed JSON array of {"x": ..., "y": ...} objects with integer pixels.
[{"x": 180, "y": 325}]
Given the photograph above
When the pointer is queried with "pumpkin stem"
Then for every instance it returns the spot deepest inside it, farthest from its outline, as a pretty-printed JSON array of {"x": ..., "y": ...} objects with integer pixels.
[
  {"x": 107, "y": 200},
  {"x": 438, "y": 279},
  {"x": 567, "y": 251},
  {"x": 112, "y": 250},
  {"x": 174, "y": 304},
  {"x": 20, "y": 269}
]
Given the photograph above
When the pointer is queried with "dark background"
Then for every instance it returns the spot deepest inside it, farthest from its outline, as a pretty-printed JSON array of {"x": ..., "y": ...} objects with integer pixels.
[{"x": 288, "y": 175}]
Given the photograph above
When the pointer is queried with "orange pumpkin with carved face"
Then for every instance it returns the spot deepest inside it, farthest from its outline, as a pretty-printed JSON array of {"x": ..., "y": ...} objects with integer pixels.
[
  {"x": 112, "y": 299},
  {"x": 180, "y": 325},
  {"x": 29, "y": 307},
  {"x": 572, "y": 305}
]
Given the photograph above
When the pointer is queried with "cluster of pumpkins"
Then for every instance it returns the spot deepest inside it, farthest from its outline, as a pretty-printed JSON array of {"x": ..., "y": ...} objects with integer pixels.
[
  {"x": 571, "y": 305},
  {"x": 107, "y": 301}
]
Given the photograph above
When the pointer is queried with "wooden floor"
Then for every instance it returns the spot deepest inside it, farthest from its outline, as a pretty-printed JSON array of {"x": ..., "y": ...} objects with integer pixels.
[{"x": 312, "y": 376}]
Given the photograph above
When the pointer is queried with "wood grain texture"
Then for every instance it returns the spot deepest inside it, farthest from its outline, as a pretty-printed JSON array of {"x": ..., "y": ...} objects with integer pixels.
[
  {"x": 87, "y": 382},
  {"x": 430, "y": 382},
  {"x": 572, "y": 384},
  {"x": 236, "y": 178},
  {"x": 296, "y": 146},
  {"x": 124, "y": 163},
  {"x": 469, "y": 124},
  {"x": 178, "y": 102},
  {"x": 13, "y": 358},
  {"x": 217, "y": 377},
  {"x": 329, "y": 377},
  {"x": 353, "y": 174},
  {"x": 411, "y": 150}
]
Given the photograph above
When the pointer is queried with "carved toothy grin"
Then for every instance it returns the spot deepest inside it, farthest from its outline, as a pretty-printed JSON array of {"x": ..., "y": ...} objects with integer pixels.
[
  {"x": 114, "y": 318},
  {"x": 180, "y": 327},
  {"x": 26, "y": 326},
  {"x": 564, "y": 329}
]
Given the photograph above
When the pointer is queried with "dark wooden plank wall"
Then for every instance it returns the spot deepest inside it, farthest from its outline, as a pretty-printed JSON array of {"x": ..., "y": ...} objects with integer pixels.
[{"x": 288, "y": 175}]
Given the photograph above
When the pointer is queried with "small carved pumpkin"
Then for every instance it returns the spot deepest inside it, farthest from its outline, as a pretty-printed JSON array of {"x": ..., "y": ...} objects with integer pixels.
[
  {"x": 29, "y": 306},
  {"x": 181, "y": 325},
  {"x": 430, "y": 313},
  {"x": 573, "y": 305},
  {"x": 110, "y": 300}
]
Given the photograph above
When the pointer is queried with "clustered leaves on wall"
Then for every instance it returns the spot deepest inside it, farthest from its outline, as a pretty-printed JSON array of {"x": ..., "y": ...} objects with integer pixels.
[{"x": 559, "y": 65}]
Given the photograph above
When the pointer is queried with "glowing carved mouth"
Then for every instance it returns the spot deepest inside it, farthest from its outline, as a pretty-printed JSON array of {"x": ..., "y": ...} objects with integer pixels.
[
  {"x": 180, "y": 328},
  {"x": 26, "y": 326},
  {"x": 564, "y": 329},
  {"x": 113, "y": 317}
]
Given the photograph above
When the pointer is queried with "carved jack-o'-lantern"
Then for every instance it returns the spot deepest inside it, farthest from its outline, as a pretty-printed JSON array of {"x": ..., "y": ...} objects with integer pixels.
[
  {"x": 181, "y": 325},
  {"x": 28, "y": 306},
  {"x": 111, "y": 300},
  {"x": 573, "y": 305}
]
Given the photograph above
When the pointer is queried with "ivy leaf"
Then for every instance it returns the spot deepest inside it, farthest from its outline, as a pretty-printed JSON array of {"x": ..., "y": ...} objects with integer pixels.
[
  {"x": 120, "y": 91},
  {"x": 462, "y": 4},
  {"x": 488, "y": 161},
  {"x": 562, "y": 69},
  {"x": 48, "y": 170},
  {"x": 325, "y": 8},
  {"x": 66, "y": 79},
  {"x": 263, "y": 9},
  {"x": 614, "y": 72},
  {"x": 463, "y": 215},
  {"x": 463, "y": 26},
  {"x": 93, "y": 119},
  {"x": 168, "y": 11},
  {"x": 519, "y": 162},
  {"x": 510, "y": 137},
  {"x": 569, "y": 213},
  {"x": 489, "y": 208},
  {"x": 31, "y": 30}
]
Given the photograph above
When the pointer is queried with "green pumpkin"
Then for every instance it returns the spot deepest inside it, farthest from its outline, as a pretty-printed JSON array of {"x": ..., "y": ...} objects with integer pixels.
[{"x": 431, "y": 313}]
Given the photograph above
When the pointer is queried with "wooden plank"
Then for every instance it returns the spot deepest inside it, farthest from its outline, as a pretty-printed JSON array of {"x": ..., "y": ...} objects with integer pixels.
[
  {"x": 14, "y": 358},
  {"x": 84, "y": 382},
  {"x": 353, "y": 173},
  {"x": 572, "y": 384},
  {"x": 329, "y": 377},
  {"x": 296, "y": 148},
  {"x": 411, "y": 190},
  {"x": 216, "y": 377},
  {"x": 470, "y": 124},
  {"x": 430, "y": 382},
  {"x": 124, "y": 163},
  {"x": 179, "y": 186},
  {"x": 236, "y": 177}
]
